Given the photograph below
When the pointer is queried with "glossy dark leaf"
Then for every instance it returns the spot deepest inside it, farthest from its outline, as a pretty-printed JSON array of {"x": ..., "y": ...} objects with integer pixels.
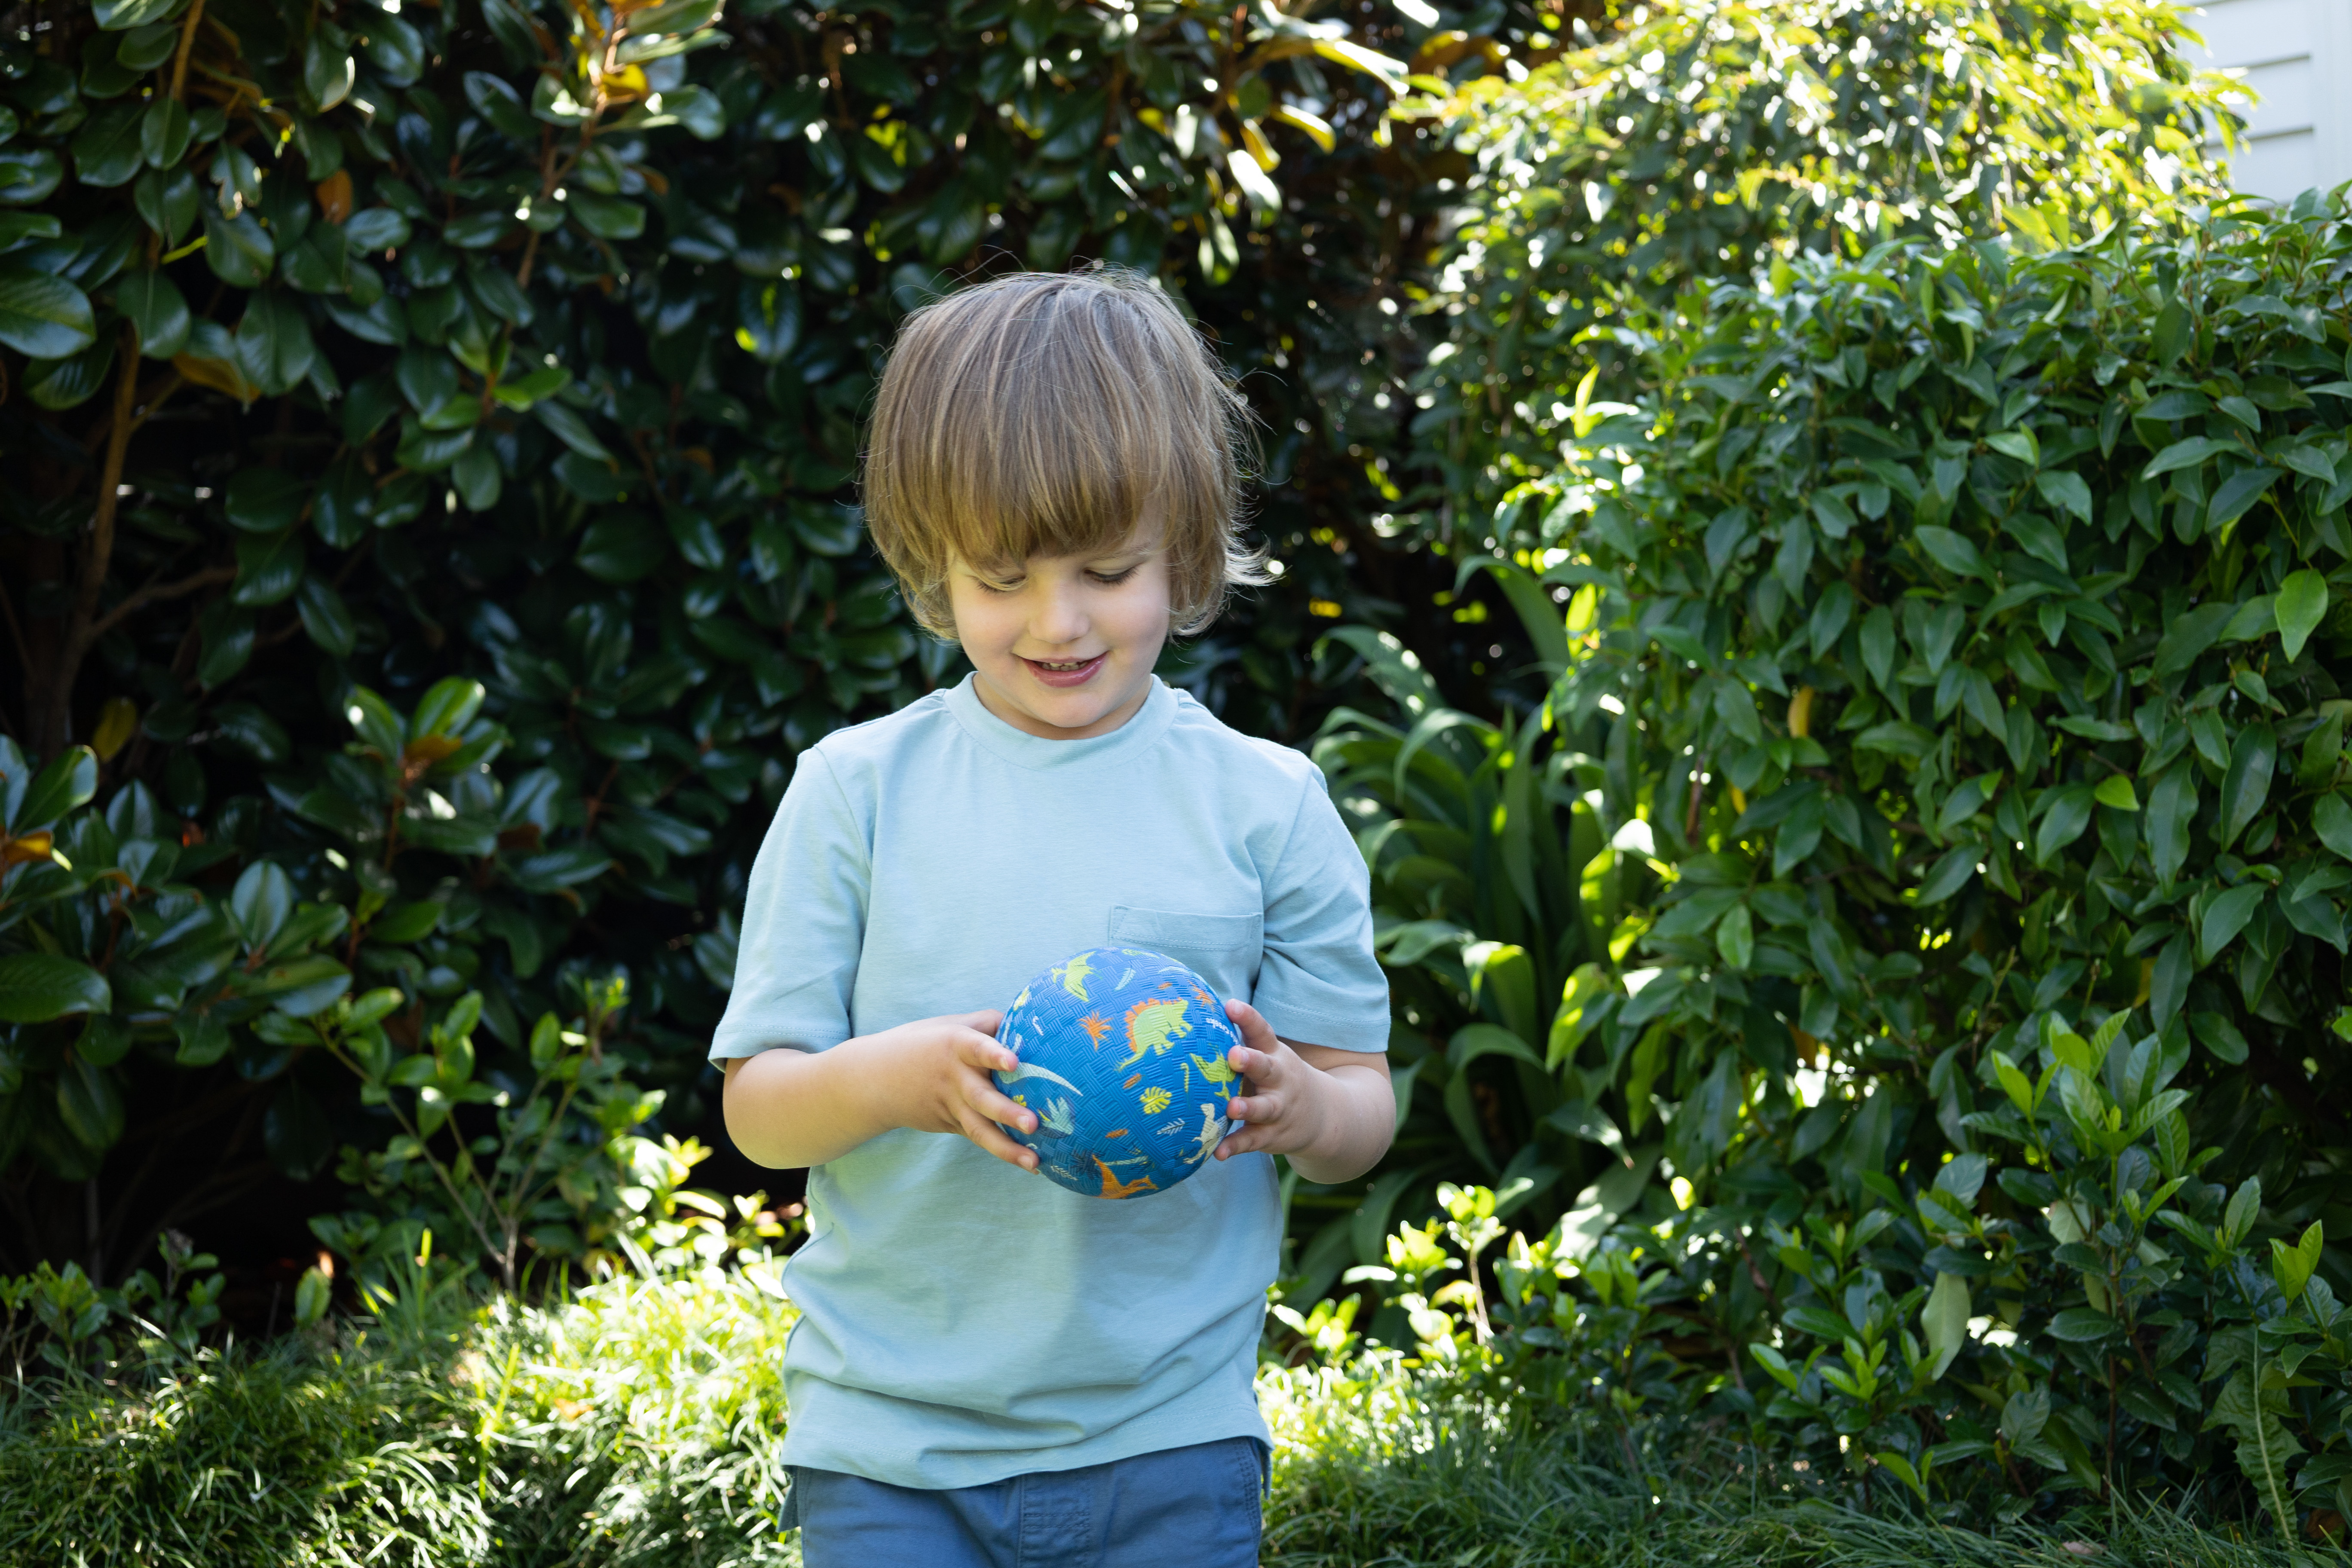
[
  {"x": 43, "y": 316},
  {"x": 37, "y": 987}
]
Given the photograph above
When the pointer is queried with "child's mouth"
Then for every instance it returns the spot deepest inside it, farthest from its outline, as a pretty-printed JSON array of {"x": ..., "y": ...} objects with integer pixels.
[{"x": 1066, "y": 671}]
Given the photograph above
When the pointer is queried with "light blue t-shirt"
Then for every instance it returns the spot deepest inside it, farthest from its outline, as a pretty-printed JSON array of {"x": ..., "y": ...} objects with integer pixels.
[{"x": 963, "y": 1321}]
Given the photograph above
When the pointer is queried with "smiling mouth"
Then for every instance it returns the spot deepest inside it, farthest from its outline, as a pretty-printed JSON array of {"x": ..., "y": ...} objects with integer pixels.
[{"x": 1066, "y": 671}]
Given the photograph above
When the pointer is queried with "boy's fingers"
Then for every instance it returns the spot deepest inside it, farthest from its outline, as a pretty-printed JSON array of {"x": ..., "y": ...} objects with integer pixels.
[
  {"x": 986, "y": 1023},
  {"x": 981, "y": 1050},
  {"x": 1252, "y": 1063},
  {"x": 997, "y": 1109},
  {"x": 991, "y": 1137},
  {"x": 1256, "y": 1033}
]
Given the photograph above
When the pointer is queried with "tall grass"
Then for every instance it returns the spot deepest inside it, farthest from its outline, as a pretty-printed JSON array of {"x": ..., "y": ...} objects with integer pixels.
[
  {"x": 637, "y": 1423},
  {"x": 1386, "y": 1469}
]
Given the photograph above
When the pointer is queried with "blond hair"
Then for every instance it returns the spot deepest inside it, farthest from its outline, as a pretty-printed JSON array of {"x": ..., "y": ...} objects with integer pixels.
[{"x": 1039, "y": 413}]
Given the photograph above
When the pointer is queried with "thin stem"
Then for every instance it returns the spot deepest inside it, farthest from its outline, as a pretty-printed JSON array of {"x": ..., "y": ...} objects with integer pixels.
[
  {"x": 180, "y": 56},
  {"x": 156, "y": 594}
]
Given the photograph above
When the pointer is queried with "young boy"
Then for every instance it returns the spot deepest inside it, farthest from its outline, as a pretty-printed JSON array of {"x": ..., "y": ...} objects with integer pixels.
[{"x": 989, "y": 1369}]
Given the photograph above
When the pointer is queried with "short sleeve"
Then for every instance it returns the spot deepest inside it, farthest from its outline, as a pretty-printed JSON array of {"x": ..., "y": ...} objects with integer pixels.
[
  {"x": 1320, "y": 983},
  {"x": 804, "y": 923}
]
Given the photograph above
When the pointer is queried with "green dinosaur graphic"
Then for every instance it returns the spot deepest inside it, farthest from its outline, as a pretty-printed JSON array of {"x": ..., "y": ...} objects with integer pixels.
[
  {"x": 1216, "y": 1070},
  {"x": 1153, "y": 1025},
  {"x": 1073, "y": 975}
]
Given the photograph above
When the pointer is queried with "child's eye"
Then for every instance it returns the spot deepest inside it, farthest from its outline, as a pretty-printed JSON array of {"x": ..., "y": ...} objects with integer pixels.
[
  {"x": 1113, "y": 579},
  {"x": 1012, "y": 588}
]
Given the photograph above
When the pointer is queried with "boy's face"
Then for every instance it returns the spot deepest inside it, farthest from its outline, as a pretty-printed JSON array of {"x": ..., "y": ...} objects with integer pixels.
[{"x": 1063, "y": 644}]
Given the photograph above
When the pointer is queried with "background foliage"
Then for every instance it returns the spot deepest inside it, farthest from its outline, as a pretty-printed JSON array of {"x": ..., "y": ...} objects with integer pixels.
[
  {"x": 1948, "y": 757},
  {"x": 1696, "y": 140},
  {"x": 350, "y": 352},
  {"x": 1833, "y": 669}
]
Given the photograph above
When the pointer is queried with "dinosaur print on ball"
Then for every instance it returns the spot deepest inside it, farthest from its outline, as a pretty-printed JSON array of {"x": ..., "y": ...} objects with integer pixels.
[{"x": 1123, "y": 1060}]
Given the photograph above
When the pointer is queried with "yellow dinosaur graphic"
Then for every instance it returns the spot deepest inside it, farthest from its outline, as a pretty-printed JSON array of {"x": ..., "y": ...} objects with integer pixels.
[
  {"x": 1073, "y": 975},
  {"x": 1153, "y": 1025}
]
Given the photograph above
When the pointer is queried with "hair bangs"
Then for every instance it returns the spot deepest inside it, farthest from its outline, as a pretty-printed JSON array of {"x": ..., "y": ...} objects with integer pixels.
[{"x": 1045, "y": 414}]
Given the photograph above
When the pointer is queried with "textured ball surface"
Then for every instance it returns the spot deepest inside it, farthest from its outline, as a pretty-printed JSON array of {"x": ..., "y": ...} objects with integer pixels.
[{"x": 1123, "y": 1060}]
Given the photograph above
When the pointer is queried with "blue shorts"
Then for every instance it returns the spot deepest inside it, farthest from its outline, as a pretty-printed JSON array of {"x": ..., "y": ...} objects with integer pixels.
[{"x": 1198, "y": 1506}]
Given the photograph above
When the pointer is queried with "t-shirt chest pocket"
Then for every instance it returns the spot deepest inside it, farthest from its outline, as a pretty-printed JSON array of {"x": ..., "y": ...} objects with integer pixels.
[{"x": 1224, "y": 949}]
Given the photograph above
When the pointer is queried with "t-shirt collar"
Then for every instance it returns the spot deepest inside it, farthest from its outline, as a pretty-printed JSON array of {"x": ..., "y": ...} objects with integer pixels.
[{"x": 1026, "y": 751}]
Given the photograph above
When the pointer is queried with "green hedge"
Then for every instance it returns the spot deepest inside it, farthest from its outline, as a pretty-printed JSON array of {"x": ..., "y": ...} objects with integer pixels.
[
  {"x": 433, "y": 431},
  {"x": 1701, "y": 138},
  {"x": 1941, "y": 859}
]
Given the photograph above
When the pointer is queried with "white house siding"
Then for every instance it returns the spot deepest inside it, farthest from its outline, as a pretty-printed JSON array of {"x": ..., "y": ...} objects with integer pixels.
[{"x": 2295, "y": 58}]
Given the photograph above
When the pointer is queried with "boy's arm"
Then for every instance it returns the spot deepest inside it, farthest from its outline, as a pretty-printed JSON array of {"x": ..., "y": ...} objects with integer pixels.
[
  {"x": 787, "y": 1109},
  {"x": 1333, "y": 1111}
]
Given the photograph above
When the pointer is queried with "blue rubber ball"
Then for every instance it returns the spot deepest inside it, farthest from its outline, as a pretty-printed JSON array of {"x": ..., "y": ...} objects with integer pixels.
[{"x": 1123, "y": 1059}]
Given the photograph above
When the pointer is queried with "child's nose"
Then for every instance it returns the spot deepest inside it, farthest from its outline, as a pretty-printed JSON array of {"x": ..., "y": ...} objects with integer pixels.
[{"x": 1060, "y": 617}]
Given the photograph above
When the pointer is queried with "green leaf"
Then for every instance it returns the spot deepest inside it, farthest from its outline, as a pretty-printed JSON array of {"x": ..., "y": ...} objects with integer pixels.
[
  {"x": 274, "y": 346},
  {"x": 43, "y": 317},
  {"x": 69, "y": 781},
  {"x": 122, "y": 15},
  {"x": 1945, "y": 1319},
  {"x": 2302, "y": 605},
  {"x": 1735, "y": 937},
  {"x": 2331, "y": 818},
  {"x": 2245, "y": 1207},
  {"x": 1951, "y": 874},
  {"x": 2186, "y": 454},
  {"x": 606, "y": 217},
  {"x": 2237, "y": 495},
  {"x": 1952, "y": 552},
  {"x": 107, "y": 149},
  {"x": 2294, "y": 1266},
  {"x": 153, "y": 305},
  {"x": 2226, "y": 915},
  {"x": 2246, "y": 787},
  {"x": 261, "y": 903},
  {"x": 2081, "y": 1325},
  {"x": 35, "y": 987},
  {"x": 571, "y": 429},
  {"x": 268, "y": 567},
  {"x": 89, "y": 1104},
  {"x": 238, "y": 249},
  {"x": 2065, "y": 490},
  {"x": 1878, "y": 644},
  {"x": 2117, "y": 790},
  {"x": 2068, "y": 815},
  {"x": 164, "y": 132},
  {"x": 325, "y": 617},
  {"x": 2171, "y": 813},
  {"x": 2188, "y": 635},
  {"x": 27, "y": 175},
  {"x": 265, "y": 500}
]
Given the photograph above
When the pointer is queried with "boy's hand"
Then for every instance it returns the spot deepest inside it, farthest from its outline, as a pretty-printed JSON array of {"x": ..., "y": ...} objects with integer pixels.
[
  {"x": 933, "y": 1075},
  {"x": 1334, "y": 1120}
]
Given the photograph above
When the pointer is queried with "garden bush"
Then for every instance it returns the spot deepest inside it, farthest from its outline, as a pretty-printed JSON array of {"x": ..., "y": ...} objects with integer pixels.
[
  {"x": 434, "y": 429},
  {"x": 1698, "y": 139},
  {"x": 1948, "y": 753}
]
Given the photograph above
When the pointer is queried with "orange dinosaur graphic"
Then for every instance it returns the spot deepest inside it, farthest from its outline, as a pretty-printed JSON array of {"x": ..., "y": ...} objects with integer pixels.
[{"x": 1112, "y": 1187}]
